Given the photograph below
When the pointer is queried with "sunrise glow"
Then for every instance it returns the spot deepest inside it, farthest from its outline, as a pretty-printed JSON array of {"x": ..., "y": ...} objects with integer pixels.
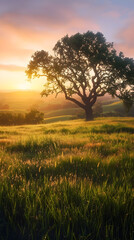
[
  {"x": 24, "y": 86},
  {"x": 25, "y": 29}
]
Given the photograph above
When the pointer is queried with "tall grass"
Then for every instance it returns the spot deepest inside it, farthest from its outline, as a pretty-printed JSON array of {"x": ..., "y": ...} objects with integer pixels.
[{"x": 76, "y": 183}]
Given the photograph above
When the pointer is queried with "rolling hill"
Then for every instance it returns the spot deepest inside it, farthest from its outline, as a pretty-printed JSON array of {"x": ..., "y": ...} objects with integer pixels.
[{"x": 56, "y": 108}]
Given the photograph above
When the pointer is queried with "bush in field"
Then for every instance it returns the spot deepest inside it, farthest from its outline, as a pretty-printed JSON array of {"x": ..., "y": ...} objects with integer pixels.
[
  {"x": 32, "y": 117},
  {"x": 7, "y": 118}
]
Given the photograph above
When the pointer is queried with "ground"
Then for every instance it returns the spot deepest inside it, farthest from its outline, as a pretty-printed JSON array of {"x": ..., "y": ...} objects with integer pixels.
[{"x": 67, "y": 180}]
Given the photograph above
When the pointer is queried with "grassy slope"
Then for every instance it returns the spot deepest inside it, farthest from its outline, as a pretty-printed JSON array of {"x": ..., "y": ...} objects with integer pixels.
[
  {"x": 113, "y": 106},
  {"x": 118, "y": 107},
  {"x": 71, "y": 180},
  {"x": 61, "y": 112}
]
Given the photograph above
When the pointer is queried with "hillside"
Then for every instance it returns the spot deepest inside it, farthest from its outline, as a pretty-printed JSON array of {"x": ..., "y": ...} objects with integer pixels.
[
  {"x": 71, "y": 180},
  {"x": 23, "y": 101}
]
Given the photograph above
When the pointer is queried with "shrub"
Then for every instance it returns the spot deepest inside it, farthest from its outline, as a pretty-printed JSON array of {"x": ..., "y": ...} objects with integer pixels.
[{"x": 32, "y": 117}]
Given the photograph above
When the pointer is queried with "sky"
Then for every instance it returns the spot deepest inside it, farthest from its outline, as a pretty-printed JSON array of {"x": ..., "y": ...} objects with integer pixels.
[{"x": 30, "y": 25}]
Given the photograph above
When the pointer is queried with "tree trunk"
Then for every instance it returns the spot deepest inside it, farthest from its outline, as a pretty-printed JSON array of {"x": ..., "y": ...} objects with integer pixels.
[{"x": 89, "y": 113}]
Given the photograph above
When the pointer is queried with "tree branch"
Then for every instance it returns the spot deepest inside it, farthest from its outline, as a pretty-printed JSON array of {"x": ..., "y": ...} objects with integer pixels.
[{"x": 75, "y": 101}]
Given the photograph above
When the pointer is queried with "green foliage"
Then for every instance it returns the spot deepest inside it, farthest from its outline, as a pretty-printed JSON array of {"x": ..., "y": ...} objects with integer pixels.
[
  {"x": 11, "y": 119},
  {"x": 83, "y": 68},
  {"x": 32, "y": 117},
  {"x": 75, "y": 184}
]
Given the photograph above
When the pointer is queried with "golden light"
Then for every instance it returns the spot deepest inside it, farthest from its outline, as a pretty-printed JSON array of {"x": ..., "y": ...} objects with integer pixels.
[{"x": 24, "y": 86}]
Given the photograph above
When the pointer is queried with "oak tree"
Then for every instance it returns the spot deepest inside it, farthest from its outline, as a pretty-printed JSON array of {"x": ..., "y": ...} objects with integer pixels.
[{"x": 84, "y": 67}]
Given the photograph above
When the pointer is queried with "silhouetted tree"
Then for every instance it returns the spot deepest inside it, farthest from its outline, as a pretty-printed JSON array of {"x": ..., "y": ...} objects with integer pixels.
[
  {"x": 84, "y": 67},
  {"x": 34, "y": 117}
]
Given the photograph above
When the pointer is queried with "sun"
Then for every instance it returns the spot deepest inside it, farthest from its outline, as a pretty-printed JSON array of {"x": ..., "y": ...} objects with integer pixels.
[{"x": 24, "y": 86}]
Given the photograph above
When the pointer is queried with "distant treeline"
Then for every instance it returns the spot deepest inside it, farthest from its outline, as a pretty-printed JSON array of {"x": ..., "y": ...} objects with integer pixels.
[
  {"x": 4, "y": 106},
  {"x": 32, "y": 117}
]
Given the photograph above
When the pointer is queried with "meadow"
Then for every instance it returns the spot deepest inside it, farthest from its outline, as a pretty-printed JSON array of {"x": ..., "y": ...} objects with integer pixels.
[{"x": 70, "y": 180}]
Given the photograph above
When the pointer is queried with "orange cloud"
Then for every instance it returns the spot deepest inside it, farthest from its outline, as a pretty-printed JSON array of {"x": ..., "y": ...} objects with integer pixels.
[
  {"x": 12, "y": 68},
  {"x": 20, "y": 38}
]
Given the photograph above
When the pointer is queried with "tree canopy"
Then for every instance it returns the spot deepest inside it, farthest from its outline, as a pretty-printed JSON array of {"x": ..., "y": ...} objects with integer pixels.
[{"x": 84, "y": 67}]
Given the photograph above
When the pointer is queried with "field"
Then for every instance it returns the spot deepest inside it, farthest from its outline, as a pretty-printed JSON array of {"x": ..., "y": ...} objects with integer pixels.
[{"x": 70, "y": 180}]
